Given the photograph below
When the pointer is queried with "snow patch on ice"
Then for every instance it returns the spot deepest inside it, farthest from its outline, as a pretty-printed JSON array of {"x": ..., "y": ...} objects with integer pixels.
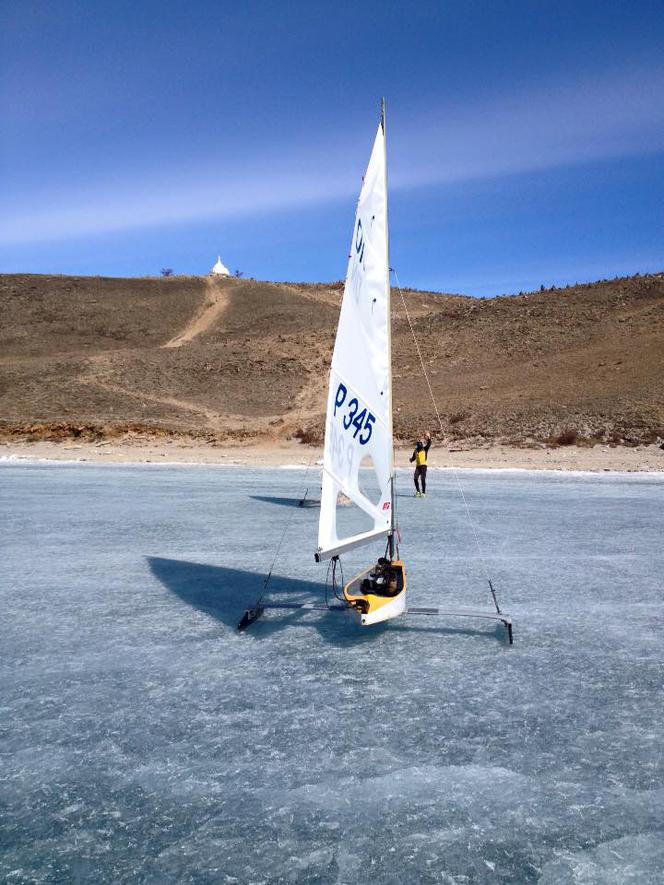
[{"x": 27, "y": 460}]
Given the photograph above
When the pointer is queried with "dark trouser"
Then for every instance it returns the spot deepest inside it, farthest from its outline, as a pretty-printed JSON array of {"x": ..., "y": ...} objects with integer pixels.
[{"x": 421, "y": 474}]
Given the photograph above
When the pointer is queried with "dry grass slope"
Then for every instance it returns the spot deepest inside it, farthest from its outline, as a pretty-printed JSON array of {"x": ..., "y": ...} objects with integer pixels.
[{"x": 98, "y": 357}]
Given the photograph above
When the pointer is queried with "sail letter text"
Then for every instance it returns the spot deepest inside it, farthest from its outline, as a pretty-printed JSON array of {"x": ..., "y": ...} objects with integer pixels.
[{"x": 340, "y": 397}]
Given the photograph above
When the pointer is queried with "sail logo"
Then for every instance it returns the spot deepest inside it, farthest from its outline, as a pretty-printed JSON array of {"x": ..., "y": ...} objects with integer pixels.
[
  {"x": 386, "y": 505},
  {"x": 359, "y": 423}
]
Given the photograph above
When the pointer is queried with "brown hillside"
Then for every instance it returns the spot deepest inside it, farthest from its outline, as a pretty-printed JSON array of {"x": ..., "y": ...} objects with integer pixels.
[{"x": 96, "y": 356}]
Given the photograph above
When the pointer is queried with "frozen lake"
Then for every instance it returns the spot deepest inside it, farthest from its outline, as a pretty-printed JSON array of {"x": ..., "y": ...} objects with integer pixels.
[{"x": 143, "y": 739}]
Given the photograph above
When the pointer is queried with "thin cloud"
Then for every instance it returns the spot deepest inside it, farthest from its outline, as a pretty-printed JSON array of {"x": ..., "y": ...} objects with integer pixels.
[
  {"x": 565, "y": 124},
  {"x": 171, "y": 201}
]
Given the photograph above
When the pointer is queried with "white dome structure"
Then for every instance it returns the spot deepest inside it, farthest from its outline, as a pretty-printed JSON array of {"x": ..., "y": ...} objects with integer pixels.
[{"x": 219, "y": 269}]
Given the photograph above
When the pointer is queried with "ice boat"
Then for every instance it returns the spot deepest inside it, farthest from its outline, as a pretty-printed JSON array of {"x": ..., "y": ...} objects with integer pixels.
[{"x": 358, "y": 427}]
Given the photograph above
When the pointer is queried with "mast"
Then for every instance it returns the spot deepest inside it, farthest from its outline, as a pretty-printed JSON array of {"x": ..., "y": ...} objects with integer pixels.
[{"x": 389, "y": 333}]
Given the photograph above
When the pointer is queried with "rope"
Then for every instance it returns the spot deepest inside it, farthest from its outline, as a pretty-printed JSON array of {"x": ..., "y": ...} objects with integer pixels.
[
  {"x": 283, "y": 535},
  {"x": 332, "y": 566},
  {"x": 440, "y": 424}
]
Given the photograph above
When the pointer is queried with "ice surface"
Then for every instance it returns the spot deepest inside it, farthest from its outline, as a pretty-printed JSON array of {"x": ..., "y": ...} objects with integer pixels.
[{"x": 143, "y": 739}]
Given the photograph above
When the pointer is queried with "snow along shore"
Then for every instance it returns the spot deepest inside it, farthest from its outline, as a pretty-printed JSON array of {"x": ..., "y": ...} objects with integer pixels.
[{"x": 600, "y": 458}]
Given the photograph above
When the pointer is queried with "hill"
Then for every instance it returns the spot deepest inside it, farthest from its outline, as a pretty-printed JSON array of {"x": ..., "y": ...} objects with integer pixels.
[{"x": 232, "y": 358}]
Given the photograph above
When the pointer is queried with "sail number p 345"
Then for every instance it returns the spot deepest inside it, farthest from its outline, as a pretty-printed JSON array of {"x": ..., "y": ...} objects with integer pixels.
[{"x": 359, "y": 423}]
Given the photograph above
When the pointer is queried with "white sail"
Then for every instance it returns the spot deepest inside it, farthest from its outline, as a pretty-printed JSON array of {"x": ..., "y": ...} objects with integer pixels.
[{"x": 359, "y": 404}]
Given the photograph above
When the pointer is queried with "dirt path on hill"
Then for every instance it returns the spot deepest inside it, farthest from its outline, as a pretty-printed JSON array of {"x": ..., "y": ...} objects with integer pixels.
[
  {"x": 211, "y": 420},
  {"x": 216, "y": 302}
]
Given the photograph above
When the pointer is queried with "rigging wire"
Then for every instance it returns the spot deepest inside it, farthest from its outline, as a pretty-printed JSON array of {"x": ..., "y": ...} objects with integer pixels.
[
  {"x": 283, "y": 534},
  {"x": 336, "y": 563},
  {"x": 327, "y": 583},
  {"x": 332, "y": 566},
  {"x": 440, "y": 424}
]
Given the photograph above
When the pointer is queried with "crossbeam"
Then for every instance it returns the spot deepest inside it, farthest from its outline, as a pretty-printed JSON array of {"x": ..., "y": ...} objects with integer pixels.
[
  {"x": 253, "y": 614},
  {"x": 315, "y": 606},
  {"x": 466, "y": 613}
]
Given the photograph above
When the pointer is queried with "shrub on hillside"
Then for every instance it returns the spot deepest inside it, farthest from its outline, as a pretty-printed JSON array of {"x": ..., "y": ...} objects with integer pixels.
[
  {"x": 567, "y": 437},
  {"x": 309, "y": 436}
]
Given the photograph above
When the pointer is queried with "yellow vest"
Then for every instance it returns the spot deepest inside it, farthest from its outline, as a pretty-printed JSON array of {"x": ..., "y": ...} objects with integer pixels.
[{"x": 421, "y": 458}]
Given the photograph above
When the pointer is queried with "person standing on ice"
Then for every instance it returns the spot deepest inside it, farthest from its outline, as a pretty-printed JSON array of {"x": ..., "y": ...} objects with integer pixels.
[{"x": 419, "y": 456}]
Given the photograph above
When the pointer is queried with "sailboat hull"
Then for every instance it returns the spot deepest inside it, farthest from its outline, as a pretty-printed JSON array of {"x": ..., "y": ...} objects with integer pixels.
[{"x": 378, "y": 593}]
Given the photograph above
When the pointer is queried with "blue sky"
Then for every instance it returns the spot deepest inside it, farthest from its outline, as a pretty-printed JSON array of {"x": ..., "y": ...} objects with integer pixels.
[{"x": 525, "y": 139}]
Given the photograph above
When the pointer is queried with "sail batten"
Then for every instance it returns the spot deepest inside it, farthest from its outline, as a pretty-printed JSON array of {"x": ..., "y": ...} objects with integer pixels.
[{"x": 359, "y": 405}]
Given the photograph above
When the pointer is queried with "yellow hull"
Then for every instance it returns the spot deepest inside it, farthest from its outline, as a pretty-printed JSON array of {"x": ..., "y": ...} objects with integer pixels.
[{"x": 374, "y": 607}]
